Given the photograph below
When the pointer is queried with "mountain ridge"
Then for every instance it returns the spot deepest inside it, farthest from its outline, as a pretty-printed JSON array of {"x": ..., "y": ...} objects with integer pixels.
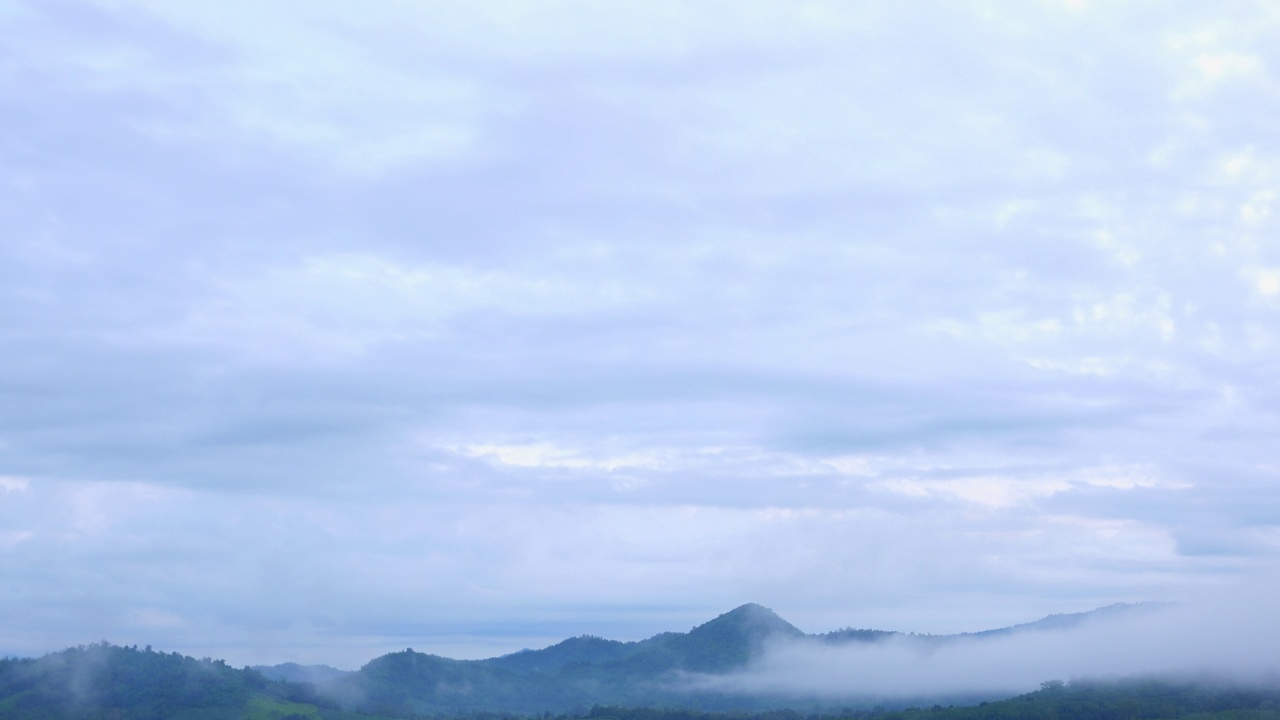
[
  {"x": 585, "y": 670},
  {"x": 106, "y": 682},
  {"x": 567, "y": 677},
  {"x": 747, "y": 620}
]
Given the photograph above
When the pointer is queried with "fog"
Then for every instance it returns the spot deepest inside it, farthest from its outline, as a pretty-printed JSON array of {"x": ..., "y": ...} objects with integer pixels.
[{"x": 1226, "y": 638}]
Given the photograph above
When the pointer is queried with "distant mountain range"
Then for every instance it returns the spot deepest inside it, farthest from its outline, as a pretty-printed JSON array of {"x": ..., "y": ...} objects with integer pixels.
[
  {"x": 572, "y": 676},
  {"x": 583, "y": 671}
]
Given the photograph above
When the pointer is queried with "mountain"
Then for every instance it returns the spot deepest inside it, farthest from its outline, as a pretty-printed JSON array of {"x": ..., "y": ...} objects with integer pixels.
[
  {"x": 1071, "y": 620},
  {"x": 104, "y": 681},
  {"x": 575, "y": 673},
  {"x": 107, "y": 682},
  {"x": 582, "y": 650},
  {"x": 295, "y": 673},
  {"x": 726, "y": 643},
  {"x": 580, "y": 672},
  {"x": 1048, "y": 623}
]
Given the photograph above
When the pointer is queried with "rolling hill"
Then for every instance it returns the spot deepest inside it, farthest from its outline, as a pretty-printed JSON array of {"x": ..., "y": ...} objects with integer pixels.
[{"x": 572, "y": 676}]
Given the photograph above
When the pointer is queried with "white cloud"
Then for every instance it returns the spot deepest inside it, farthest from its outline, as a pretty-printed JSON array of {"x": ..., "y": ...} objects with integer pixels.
[
  {"x": 996, "y": 492},
  {"x": 1003, "y": 492},
  {"x": 1122, "y": 313},
  {"x": 545, "y": 454},
  {"x": 1258, "y": 206},
  {"x": 344, "y": 303},
  {"x": 1099, "y": 366},
  {"x": 1194, "y": 639},
  {"x": 843, "y": 309},
  {"x": 1217, "y": 66},
  {"x": 1127, "y": 477},
  {"x": 1266, "y": 281},
  {"x": 10, "y": 538}
]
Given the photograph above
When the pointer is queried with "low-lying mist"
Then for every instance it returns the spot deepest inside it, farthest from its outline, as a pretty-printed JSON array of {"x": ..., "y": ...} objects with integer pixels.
[{"x": 1232, "y": 641}]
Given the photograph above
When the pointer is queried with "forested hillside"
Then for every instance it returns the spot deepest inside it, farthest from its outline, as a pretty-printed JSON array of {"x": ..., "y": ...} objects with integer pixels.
[
  {"x": 1133, "y": 699},
  {"x": 107, "y": 682},
  {"x": 583, "y": 676}
]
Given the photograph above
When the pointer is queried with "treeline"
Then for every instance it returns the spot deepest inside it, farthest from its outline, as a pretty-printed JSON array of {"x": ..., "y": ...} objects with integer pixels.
[
  {"x": 1080, "y": 700},
  {"x": 107, "y": 682},
  {"x": 1128, "y": 700},
  {"x": 1148, "y": 699}
]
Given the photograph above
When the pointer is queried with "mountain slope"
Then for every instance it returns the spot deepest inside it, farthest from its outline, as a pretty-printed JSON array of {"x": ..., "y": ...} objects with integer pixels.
[
  {"x": 725, "y": 643},
  {"x": 575, "y": 673},
  {"x": 584, "y": 649},
  {"x": 103, "y": 681},
  {"x": 1070, "y": 620},
  {"x": 295, "y": 673},
  {"x": 1063, "y": 621},
  {"x": 584, "y": 671}
]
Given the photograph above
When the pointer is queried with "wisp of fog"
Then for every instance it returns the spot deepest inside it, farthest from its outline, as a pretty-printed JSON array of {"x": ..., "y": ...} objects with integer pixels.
[{"x": 1232, "y": 637}]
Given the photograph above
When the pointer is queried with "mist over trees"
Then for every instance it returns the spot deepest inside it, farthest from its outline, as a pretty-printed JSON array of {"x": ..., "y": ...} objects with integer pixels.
[
  {"x": 105, "y": 682},
  {"x": 746, "y": 663}
]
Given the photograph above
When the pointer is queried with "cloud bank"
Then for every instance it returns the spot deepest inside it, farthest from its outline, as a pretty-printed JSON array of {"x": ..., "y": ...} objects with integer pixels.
[
  {"x": 326, "y": 332},
  {"x": 1231, "y": 639}
]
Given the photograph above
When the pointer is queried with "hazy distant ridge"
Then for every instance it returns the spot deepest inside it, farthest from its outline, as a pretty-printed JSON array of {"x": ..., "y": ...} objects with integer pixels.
[
  {"x": 570, "y": 676},
  {"x": 293, "y": 672},
  {"x": 581, "y": 671}
]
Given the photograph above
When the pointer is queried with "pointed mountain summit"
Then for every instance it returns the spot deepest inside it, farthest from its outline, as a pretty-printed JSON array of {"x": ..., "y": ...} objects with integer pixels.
[
  {"x": 749, "y": 620},
  {"x": 733, "y": 639},
  {"x": 567, "y": 677},
  {"x": 583, "y": 671},
  {"x": 742, "y": 630},
  {"x": 726, "y": 643}
]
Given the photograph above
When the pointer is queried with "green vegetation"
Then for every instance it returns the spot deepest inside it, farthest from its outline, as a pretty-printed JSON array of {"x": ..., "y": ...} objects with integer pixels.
[
  {"x": 116, "y": 682},
  {"x": 572, "y": 676},
  {"x": 588, "y": 678},
  {"x": 1120, "y": 700},
  {"x": 568, "y": 677},
  {"x": 106, "y": 682}
]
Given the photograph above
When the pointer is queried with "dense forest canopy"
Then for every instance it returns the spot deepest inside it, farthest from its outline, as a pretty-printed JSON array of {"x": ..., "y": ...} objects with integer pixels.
[
  {"x": 106, "y": 682},
  {"x": 664, "y": 677}
]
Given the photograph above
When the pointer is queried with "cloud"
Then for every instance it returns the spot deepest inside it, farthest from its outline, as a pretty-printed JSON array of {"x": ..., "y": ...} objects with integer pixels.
[
  {"x": 456, "y": 300},
  {"x": 1265, "y": 280},
  {"x": 13, "y": 484},
  {"x": 341, "y": 304},
  {"x": 1215, "y": 640}
]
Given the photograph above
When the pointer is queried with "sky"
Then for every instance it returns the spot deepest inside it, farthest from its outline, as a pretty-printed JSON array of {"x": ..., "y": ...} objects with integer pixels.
[{"x": 329, "y": 329}]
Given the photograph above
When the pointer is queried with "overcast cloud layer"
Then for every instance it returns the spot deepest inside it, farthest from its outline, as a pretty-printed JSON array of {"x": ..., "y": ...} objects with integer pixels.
[{"x": 332, "y": 328}]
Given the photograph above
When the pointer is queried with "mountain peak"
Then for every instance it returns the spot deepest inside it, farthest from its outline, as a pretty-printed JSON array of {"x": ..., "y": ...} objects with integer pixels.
[
  {"x": 751, "y": 619},
  {"x": 730, "y": 640}
]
